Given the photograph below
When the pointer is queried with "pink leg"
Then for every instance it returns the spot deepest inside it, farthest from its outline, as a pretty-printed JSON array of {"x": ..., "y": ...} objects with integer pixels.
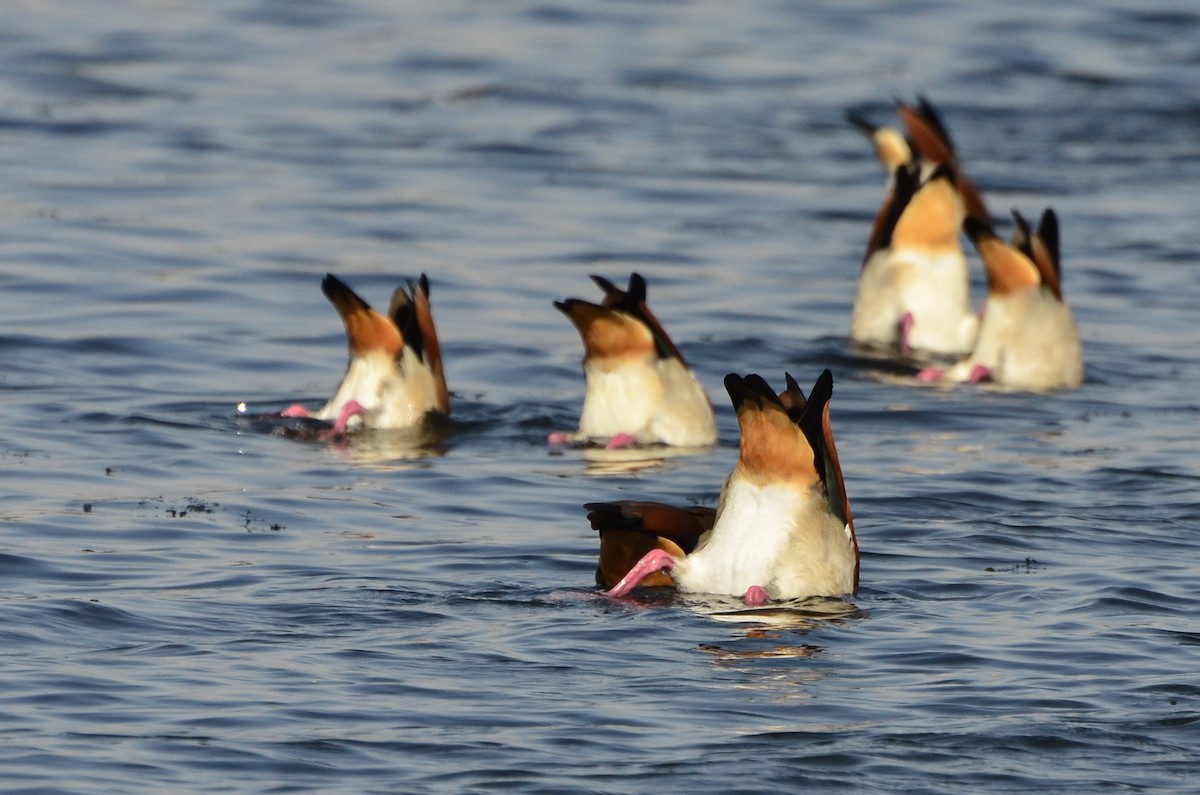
[
  {"x": 295, "y": 410},
  {"x": 756, "y": 596},
  {"x": 557, "y": 438},
  {"x": 906, "y": 324},
  {"x": 350, "y": 408},
  {"x": 652, "y": 561},
  {"x": 619, "y": 441},
  {"x": 979, "y": 373},
  {"x": 930, "y": 374}
]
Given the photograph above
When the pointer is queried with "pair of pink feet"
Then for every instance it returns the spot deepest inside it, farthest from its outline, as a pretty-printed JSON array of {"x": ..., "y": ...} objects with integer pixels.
[
  {"x": 660, "y": 560},
  {"x": 351, "y": 408},
  {"x": 617, "y": 442},
  {"x": 978, "y": 373}
]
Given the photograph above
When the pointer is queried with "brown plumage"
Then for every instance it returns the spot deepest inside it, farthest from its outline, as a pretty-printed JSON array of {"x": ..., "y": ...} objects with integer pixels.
[
  {"x": 913, "y": 288},
  {"x": 630, "y": 528},
  {"x": 1042, "y": 248},
  {"x": 926, "y": 215},
  {"x": 621, "y": 325},
  {"x": 1008, "y": 269},
  {"x": 366, "y": 329},
  {"x": 930, "y": 140}
]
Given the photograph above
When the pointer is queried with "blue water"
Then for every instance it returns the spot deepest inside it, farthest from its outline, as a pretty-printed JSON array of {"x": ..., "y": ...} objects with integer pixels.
[{"x": 190, "y": 603}]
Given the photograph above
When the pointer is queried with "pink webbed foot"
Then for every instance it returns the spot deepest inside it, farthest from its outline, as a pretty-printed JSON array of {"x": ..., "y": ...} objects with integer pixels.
[
  {"x": 755, "y": 596},
  {"x": 653, "y": 561},
  {"x": 979, "y": 373},
  {"x": 906, "y": 324},
  {"x": 295, "y": 410},
  {"x": 558, "y": 438},
  {"x": 619, "y": 441},
  {"x": 930, "y": 374}
]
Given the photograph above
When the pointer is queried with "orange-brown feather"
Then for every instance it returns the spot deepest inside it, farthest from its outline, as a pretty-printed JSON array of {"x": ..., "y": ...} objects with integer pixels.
[
  {"x": 632, "y": 302},
  {"x": 972, "y": 198},
  {"x": 932, "y": 219},
  {"x": 609, "y": 334},
  {"x": 1008, "y": 270},
  {"x": 926, "y": 135},
  {"x": 792, "y": 397},
  {"x": 773, "y": 448},
  {"x": 1045, "y": 268},
  {"x": 366, "y": 329},
  {"x": 1044, "y": 251}
]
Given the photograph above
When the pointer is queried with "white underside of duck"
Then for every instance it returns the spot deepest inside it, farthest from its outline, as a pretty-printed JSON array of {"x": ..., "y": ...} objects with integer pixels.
[
  {"x": 393, "y": 395},
  {"x": 776, "y": 537},
  {"x": 931, "y": 289},
  {"x": 653, "y": 400},
  {"x": 1027, "y": 340}
]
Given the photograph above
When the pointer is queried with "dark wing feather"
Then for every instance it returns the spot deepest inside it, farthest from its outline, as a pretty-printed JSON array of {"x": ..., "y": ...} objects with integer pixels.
[
  {"x": 904, "y": 187},
  {"x": 817, "y": 429},
  {"x": 629, "y": 529},
  {"x": 1047, "y": 233}
]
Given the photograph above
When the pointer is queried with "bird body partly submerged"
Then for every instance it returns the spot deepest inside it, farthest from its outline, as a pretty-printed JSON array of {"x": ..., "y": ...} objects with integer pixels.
[
  {"x": 1027, "y": 338},
  {"x": 775, "y": 536},
  {"x": 782, "y": 528},
  {"x": 638, "y": 388},
  {"x": 394, "y": 378},
  {"x": 913, "y": 295},
  {"x": 914, "y": 301},
  {"x": 654, "y": 400}
]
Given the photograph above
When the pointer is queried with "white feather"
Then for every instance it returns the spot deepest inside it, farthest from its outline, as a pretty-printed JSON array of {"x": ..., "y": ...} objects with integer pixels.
[
  {"x": 395, "y": 394},
  {"x": 933, "y": 287},
  {"x": 657, "y": 401},
  {"x": 781, "y": 538},
  {"x": 1028, "y": 340}
]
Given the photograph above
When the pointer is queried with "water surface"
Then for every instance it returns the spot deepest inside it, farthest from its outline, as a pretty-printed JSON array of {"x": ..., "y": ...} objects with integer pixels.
[{"x": 191, "y": 604}]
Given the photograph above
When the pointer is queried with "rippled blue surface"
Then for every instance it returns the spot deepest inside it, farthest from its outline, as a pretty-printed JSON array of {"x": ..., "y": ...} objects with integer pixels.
[{"x": 189, "y": 604}]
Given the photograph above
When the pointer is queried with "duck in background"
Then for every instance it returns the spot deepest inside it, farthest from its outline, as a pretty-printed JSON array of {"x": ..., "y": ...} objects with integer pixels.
[
  {"x": 639, "y": 390},
  {"x": 927, "y": 143},
  {"x": 782, "y": 528},
  {"x": 1028, "y": 339},
  {"x": 394, "y": 379},
  {"x": 913, "y": 296}
]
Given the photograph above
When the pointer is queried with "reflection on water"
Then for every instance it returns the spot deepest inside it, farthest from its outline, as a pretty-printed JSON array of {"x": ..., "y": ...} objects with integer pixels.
[
  {"x": 628, "y": 460},
  {"x": 783, "y": 651},
  {"x": 798, "y": 614},
  {"x": 370, "y": 446}
]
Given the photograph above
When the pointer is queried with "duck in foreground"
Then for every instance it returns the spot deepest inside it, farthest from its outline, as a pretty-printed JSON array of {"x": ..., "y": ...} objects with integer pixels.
[
  {"x": 1028, "y": 339},
  {"x": 782, "y": 528},
  {"x": 913, "y": 290},
  {"x": 639, "y": 389},
  {"x": 394, "y": 379}
]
